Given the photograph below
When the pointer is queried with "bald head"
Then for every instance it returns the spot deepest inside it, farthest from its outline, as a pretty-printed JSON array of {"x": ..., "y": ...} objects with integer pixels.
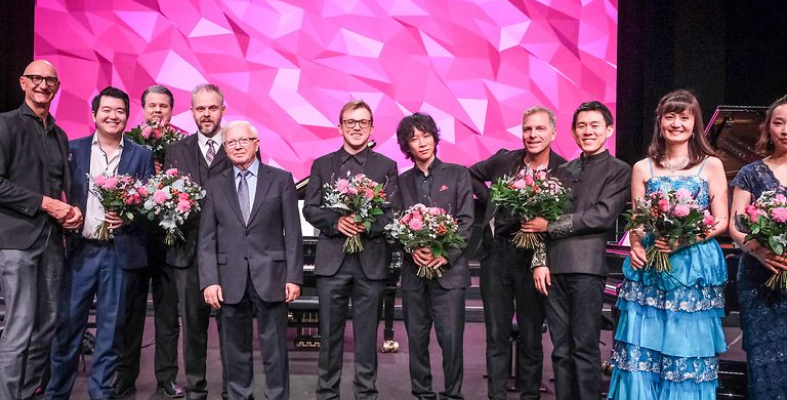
[{"x": 40, "y": 84}]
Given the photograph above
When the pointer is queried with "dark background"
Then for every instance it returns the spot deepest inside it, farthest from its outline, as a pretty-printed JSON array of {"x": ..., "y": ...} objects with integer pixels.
[{"x": 725, "y": 51}]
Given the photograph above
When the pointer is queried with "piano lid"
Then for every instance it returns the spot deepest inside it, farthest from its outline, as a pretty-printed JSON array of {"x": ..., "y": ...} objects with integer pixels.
[{"x": 733, "y": 132}]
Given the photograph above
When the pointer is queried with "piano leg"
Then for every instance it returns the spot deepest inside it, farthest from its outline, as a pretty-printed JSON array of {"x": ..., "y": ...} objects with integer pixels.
[{"x": 389, "y": 345}]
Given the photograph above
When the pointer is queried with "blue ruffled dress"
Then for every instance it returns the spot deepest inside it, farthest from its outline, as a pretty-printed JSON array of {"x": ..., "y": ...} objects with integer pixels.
[{"x": 670, "y": 333}]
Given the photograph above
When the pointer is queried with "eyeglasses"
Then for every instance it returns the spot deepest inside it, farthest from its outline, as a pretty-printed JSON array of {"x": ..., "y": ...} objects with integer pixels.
[
  {"x": 37, "y": 79},
  {"x": 244, "y": 142},
  {"x": 202, "y": 109},
  {"x": 350, "y": 123}
]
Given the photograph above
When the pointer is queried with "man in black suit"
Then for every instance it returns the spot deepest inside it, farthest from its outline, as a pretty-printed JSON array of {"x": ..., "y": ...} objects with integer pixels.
[
  {"x": 200, "y": 156},
  {"x": 506, "y": 279},
  {"x": 576, "y": 269},
  {"x": 96, "y": 267},
  {"x": 360, "y": 276},
  {"x": 34, "y": 183},
  {"x": 439, "y": 301},
  {"x": 157, "y": 103},
  {"x": 251, "y": 262}
]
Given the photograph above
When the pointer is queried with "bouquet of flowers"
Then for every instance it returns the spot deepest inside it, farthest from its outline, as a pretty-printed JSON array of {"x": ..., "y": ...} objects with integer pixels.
[
  {"x": 766, "y": 222},
  {"x": 121, "y": 194},
  {"x": 156, "y": 136},
  {"x": 530, "y": 195},
  {"x": 170, "y": 199},
  {"x": 421, "y": 226},
  {"x": 673, "y": 216},
  {"x": 358, "y": 195}
]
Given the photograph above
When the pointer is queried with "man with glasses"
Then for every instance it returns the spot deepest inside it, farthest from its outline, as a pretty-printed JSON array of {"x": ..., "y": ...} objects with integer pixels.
[
  {"x": 200, "y": 156},
  {"x": 34, "y": 181},
  {"x": 340, "y": 276},
  {"x": 251, "y": 262}
]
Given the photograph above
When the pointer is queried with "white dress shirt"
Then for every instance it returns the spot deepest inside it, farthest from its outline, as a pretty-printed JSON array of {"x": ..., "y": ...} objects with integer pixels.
[
  {"x": 203, "y": 143},
  {"x": 100, "y": 163}
]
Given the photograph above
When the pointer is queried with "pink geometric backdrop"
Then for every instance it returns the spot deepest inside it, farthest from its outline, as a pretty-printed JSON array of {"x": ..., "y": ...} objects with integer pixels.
[{"x": 288, "y": 66}]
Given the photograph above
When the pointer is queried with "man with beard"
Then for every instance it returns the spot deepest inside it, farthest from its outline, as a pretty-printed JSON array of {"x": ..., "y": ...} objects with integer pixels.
[
  {"x": 157, "y": 103},
  {"x": 96, "y": 266},
  {"x": 506, "y": 279},
  {"x": 34, "y": 177},
  {"x": 199, "y": 156}
]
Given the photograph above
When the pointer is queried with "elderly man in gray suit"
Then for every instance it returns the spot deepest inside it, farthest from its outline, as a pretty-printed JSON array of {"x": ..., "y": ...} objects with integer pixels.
[{"x": 251, "y": 261}]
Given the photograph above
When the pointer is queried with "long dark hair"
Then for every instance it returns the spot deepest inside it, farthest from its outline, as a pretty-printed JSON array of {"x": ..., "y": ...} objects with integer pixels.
[
  {"x": 678, "y": 102},
  {"x": 764, "y": 142}
]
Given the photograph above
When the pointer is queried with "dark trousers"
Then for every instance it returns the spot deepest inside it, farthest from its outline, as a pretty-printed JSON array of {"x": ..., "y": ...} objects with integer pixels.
[
  {"x": 573, "y": 315},
  {"x": 236, "y": 342},
  {"x": 195, "y": 317},
  {"x": 507, "y": 285},
  {"x": 445, "y": 308},
  {"x": 335, "y": 293},
  {"x": 92, "y": 271},
  {"x": 166, "y": 323},
  {"x": 30, "y": 281}
]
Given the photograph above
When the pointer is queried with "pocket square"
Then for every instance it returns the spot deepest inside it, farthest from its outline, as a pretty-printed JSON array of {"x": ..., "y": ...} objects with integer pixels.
[{"x": 443, "y": 188}]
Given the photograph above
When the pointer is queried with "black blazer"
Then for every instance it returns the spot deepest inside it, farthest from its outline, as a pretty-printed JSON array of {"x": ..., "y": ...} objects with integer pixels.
[
  {"x": 504, "y": 162},
  {"x": 185, "y": 155},
  {"x": 24, "y": 177},
  {"x": 451, "y": 190},
  {"x": 270, "y": 246},
  {"x": 377, "y": 254},
  {"x": 135, "y": 160}
]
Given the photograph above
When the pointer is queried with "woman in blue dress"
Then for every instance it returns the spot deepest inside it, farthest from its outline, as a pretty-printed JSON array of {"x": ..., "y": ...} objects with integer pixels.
[
  {"x": 669, "y": 333},
  {"x": 763, "y": 310}
]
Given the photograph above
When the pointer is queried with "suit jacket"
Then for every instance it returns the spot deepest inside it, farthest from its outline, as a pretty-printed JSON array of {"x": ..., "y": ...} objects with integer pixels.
[
  {"x": 452, "y": 191},
  {"x": 24, "y": 178},
  {"x": 504, "y": 162},
  {"x": 600, "y": 187},
  {"x": 376, "y": 255},
  {"x": 270, "y": 246},
  {"x": 185, "y": 155},
  {"x": 135, "y": 160}
]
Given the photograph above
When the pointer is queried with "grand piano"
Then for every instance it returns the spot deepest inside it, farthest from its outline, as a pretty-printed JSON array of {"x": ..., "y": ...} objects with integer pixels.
[{"x": 733, "y": 132}]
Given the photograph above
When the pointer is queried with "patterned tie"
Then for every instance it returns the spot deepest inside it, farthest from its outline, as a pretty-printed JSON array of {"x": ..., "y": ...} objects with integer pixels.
[
  {"x": 243, "y": 196},
  {"x": 211, "y": 151}
]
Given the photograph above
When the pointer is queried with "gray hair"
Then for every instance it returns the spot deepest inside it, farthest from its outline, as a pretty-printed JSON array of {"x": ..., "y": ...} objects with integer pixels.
[
  {"x": 247, "y": 124},
  {"x": 540, "y": 109},
  {"x": 207, "y": 87}
]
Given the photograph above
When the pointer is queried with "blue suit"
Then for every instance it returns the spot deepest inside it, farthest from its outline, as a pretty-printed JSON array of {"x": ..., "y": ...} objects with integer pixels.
[{"x": 96, "y": 268}]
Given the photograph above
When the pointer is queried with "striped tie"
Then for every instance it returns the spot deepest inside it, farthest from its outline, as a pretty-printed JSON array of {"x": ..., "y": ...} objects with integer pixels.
[
  {"x": 211, "y": 151},
  {"x": 243, "y": 195}
]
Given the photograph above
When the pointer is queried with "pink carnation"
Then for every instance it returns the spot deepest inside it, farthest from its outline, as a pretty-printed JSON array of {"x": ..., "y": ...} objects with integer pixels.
[
  {"x": 709, "y": 220},
  {"x": 183, "y": 196},
  {"x": 110, "y": 183},
  {"x": 681, "y": 210},
  {"x": 143, "y": 191},
  {"x": 416, "y": 224},
  {"x": 780, "y": 198},
  {"x": 434, "y": 211},
  {"x": 172, "y": 172},
  {"x": 99, "y": 180},
  {"x": 160, "y": 196},
  {"x": 519, "y": 184},
  {"x": 683, "y": 194},
  {"x": 779, "y": 214},
  {"x": 359, "y": 176},
  {"x": 369, "y": 193},
  {"x": 352, "y": 190},
  {"x": 664, "y": 205},
  {"x": 343, "y": 185},
  {"x": 184, "y": 206},
  {"x": 752, "y": 212},
  {"x": 406, "y": 218}
]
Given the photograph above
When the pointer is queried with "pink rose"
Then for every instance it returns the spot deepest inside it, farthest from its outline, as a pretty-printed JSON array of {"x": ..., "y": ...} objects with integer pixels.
[
  {"x": 110, "y": 183},
  {"x": 352, "y": 190},
  {"x": 752, "y": 212},
  {"x": 664, "y": 205},
  {"x": 406, "y": 218},
  {"x": 681, "y": 210},
  {"x": 99, "y": 180},
  {"x": 157, "y": 133},
  {"x": 708, "y": 220},
  {"x": 146, "y": 131},
  {"x": 369, "y": 193},
  {"x": 780, "y": 198},
  {"x": 160, "y": 196},
  {"x": 133, "y": 200},
  {"x": 184, "y": 206},
  {"x": 359, "y": 176},
  {"x": 529, "y": 180},
  {"x": 434, "y": 211},
  {"x": 683, "y": 194},
  {"x": 343, "y": 185},
  {"x": 172, "y": 172},
  {"x": 143, "y": 191},
  {"x": 183, "y": 196},
  {"x": 416, "y": 224},
  {"x": 519, "y": 184},
  {"x": 779, "y": 214}
]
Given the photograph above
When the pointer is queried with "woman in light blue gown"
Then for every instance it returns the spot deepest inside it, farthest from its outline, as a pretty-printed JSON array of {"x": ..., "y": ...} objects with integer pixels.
[{"x": 670, "y": 333}]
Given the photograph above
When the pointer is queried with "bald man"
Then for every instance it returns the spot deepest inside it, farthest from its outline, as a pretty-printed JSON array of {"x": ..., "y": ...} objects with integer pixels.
[{"x": 34, "y": 213}]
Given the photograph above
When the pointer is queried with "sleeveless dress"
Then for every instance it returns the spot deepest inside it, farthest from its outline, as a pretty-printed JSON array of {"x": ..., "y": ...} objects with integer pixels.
[
  {"x": 763, "y": 311},
  {"x": 669, "y": 332}
]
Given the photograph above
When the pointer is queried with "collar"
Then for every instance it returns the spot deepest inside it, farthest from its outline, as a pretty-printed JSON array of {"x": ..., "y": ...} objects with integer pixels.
[
  {"x": 361, "y": 156},
  {"x": 26, "y": 110},
  {"x": 435, "y": 163},
  {"x": 203, "y": 140},
  {"x": 253, "y": 168},
  {"x": 590, "y": 160},
  {"x": 94, "y": 142}
]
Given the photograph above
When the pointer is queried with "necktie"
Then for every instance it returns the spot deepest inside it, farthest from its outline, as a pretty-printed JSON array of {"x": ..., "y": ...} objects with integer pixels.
[
  {"x": 211, "y": 151},
  {"x": 243, "y": 196}
]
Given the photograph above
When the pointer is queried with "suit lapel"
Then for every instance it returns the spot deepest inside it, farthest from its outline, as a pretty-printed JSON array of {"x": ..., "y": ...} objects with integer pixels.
[
  {"x": 437, "y": 183},
  {"x": 82, "y": 159},
  {"x": 412, "y": 189},
  {"x": 231, "y": 192},
  {"x": 221, "y": 155},
  {"x": 336, "y": 168},
  {"x": 263, "y": 186},
  {"x": 125, "y": 157},
  {"x": 197, "y": 159}
]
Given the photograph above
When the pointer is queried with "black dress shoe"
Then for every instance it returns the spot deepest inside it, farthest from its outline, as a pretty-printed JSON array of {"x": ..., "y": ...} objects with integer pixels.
[
  {"x": 122, "y": 388},
  {"x": 170, "y": 389}
]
